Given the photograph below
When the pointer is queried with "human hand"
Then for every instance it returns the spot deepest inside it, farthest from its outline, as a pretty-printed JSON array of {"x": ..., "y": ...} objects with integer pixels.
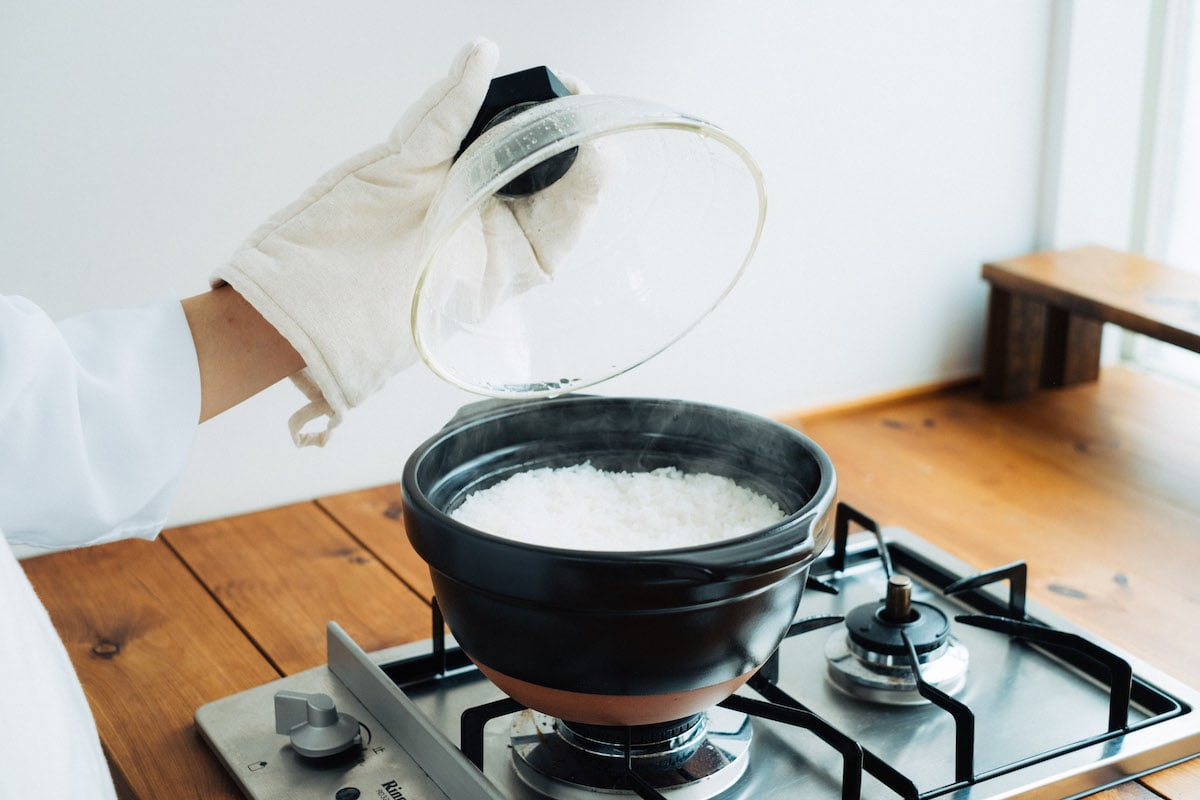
[{"x": 335, "y": 271}]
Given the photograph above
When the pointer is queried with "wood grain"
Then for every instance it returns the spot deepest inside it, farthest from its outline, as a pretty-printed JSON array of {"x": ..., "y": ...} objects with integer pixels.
[
  {"x": 1072, "y": 349},
  {"x": 150, "y": 646},
  {"x": 1013, "y": 345},
  {"x": 1046, "y": 313},
  {"x": 1126, "y": 791},
  {"x": 1136, "y": 293},
  {"x": 375, "y": 518},
  {"x": 1178, "y": 783},
  {"x": 1094, "y": 486},
  {"x": 284, "y": 573}
]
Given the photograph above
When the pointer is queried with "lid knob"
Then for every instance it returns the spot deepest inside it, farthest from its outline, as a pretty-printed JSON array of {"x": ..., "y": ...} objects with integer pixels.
[{"x": 508, "y": 96}]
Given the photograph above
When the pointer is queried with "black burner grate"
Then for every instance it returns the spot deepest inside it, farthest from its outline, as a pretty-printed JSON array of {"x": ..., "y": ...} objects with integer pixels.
[{"x": 1005, "y": 617}]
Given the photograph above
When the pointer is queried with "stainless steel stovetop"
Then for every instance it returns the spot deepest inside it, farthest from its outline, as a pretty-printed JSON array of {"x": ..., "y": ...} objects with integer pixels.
[{"x": 1035, "y": 717}]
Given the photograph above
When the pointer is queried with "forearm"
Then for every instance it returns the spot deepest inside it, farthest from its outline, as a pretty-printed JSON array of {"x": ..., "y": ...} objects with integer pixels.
[{"x": 239, "y": 353}]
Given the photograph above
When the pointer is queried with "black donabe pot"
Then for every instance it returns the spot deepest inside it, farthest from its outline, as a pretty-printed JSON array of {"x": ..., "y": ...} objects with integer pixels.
[{"x": 622, "y": 638}]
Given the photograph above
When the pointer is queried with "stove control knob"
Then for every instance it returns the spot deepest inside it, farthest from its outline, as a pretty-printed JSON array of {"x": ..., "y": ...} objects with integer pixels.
[{"x": 314, "y": 725}]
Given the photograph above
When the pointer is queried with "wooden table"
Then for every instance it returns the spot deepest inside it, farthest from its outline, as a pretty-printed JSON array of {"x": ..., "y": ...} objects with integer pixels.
[{"x": 1095, "y": 486}]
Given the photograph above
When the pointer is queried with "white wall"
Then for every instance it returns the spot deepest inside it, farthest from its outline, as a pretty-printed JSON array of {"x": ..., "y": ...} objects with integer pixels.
[
  {"x": 901, "y": 143},
  {"x": 1098, "y": 97},
  {"x": 1105, "y": 155}
]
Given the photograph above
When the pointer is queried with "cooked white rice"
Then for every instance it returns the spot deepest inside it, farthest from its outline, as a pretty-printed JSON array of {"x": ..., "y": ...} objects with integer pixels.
[{"x": 583, "y": 508}]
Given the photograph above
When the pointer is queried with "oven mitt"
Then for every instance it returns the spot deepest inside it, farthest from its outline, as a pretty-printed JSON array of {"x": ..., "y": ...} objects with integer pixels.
[
  {"x": 334, "y": 271},
  {"x": 492, "y": 258}
]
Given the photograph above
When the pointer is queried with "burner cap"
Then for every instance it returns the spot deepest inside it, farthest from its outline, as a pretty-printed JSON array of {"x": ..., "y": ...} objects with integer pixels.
[
  {"x": 868, "y": 657},
  {"x": 868, "y": 626}
]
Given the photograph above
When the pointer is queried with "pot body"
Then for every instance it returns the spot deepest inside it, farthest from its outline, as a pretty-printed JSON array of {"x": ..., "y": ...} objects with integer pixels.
[{"x": 618, "y": 637}]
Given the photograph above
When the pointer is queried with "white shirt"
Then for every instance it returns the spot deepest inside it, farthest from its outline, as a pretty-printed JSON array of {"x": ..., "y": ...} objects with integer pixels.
[{"x": 97, "y": 416}]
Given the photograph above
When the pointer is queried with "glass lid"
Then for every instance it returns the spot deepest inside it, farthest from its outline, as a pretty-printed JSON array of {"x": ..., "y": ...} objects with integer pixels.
[{"x": 577, "y": 239}]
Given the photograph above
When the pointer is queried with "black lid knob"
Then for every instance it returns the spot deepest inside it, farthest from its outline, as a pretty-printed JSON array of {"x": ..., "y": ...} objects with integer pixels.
[{"x": 508, "y": 96}]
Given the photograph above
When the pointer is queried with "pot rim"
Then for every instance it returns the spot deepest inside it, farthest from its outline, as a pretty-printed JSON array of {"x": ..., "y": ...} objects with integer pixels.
[{"x": 689, "y": 557}]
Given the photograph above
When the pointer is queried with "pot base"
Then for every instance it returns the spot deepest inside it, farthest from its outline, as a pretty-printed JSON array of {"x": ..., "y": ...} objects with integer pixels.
[{"x": 612, "y": 709}]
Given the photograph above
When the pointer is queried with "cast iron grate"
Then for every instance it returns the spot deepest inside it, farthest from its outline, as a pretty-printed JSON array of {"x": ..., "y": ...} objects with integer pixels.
[{"x": 1006, "y": 617}]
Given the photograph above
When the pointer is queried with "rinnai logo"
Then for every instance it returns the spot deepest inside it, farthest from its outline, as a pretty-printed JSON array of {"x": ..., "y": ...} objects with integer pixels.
[{"x": 392, "y": 789}]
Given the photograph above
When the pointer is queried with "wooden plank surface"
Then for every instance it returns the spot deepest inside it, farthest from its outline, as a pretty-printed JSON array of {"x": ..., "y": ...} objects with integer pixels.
[
  {"x": 1103, "y": 505},
  {"x": 284, "y": 573},
  {"x": 1095, "y": 486},
  {"x": 1176, "y": 783},
  {"x": 375, "y": 518},
  {"x": 150, "y": 647},
  {"x": 1127, "y": 791},
  {"x": 1125, "y": 289}
]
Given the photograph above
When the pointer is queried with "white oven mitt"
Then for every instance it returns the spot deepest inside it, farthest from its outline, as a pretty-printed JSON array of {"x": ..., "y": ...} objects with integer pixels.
[{"x": 334, "y": 271}]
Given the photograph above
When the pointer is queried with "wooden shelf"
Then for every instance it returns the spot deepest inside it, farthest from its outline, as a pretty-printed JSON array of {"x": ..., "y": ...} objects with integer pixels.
[{"x": 1046, "y": 312}]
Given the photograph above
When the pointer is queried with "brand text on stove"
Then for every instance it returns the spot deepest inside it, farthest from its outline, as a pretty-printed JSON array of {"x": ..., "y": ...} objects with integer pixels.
[{"x": 392, "y": 789}]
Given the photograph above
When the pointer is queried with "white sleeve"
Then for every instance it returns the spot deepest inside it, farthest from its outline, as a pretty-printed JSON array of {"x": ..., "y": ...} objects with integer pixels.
[{"x": 97, "y": 416}]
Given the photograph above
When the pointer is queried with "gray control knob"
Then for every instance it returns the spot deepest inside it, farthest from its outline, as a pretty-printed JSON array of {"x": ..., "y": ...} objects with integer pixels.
[{"x": 314, "y": 725}]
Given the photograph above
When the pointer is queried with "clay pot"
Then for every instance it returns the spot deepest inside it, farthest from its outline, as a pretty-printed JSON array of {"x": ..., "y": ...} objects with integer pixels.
[{"x": 618, "y": 638}]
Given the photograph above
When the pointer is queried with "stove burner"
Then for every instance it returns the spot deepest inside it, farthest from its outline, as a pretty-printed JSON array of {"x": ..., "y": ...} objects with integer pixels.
[
  {"x": 695, "y": 758},
  {"x": 653, "y": 748},
  {"x": 869, "y": 658},
  {"x": 1039, "y": 699}
]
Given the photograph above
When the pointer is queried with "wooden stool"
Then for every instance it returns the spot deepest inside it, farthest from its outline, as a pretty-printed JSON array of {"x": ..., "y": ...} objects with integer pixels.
[{"x": 1046, "y": 312}]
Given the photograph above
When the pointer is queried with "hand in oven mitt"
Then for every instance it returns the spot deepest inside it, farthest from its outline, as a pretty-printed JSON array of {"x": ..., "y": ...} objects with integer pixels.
[{"x": 334, "y": 271}]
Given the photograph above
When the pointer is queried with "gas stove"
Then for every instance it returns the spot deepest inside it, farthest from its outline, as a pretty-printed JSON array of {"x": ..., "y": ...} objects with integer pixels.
[{"x": 1007, "y": 700}]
